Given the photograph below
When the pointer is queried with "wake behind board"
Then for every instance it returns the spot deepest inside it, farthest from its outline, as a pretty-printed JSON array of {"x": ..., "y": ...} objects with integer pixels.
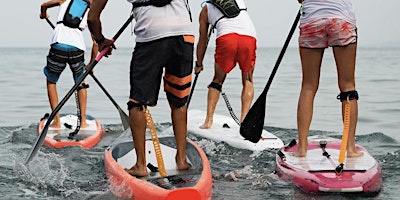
[
  {"x": 316, "y": 172},
  {"x": 58, "y": 137},
  {"x": 193, "y": 184},
  {"x": 225, "y": 129}
]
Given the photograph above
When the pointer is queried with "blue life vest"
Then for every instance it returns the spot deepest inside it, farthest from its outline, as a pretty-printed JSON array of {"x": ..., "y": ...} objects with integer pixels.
[{"x": 75, "y": 12}]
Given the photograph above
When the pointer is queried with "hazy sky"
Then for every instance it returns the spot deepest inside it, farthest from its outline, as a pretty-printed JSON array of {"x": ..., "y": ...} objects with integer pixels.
[{"x": 377, "y": 21}]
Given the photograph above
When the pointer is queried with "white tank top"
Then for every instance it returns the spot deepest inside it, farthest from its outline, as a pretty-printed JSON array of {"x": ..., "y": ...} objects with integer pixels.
[
  {"x": 242, "y": 24},
  {"x": 316, "y": 9},
  {"x": 154, "y": 23},
  {"x": 70, "y": 36}
]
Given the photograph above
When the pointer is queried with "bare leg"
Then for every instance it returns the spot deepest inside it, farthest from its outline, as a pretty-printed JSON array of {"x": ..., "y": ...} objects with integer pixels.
[
  {"x": 82, "y": 96},
  {"x": 212, "y": 100},
  {"x": 138, "y": 128},
  {"x": 247, "y": 92},
  {"x": 179, "y": 122},
  {"x": 213, "y": 97},
  {"x": 345, "y": 58},
  {"x": 53, "y": 99},
  {"x": 311, "y": 62}
]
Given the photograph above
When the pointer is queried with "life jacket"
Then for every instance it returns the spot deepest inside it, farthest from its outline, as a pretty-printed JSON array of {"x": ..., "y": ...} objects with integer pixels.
[
  {"x": 229, "y": 9},
  {"x": 75, "y": 12},
  {"x": 157, "y": 3}
]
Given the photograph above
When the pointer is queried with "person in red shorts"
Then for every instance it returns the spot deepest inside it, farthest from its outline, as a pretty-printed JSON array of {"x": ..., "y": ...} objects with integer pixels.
[
  {"x": 235, "y": 43},
  {"x": 323, "y": 24}
]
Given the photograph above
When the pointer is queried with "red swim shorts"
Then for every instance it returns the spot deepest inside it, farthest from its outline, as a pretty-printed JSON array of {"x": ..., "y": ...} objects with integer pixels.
[{"x": 234, "y": 48}]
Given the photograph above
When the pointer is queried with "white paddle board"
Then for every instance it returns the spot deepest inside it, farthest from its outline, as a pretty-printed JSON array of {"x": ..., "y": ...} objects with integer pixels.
[
  {"x": 225, "y": 129},
  {"x": 58, "y": 137}
]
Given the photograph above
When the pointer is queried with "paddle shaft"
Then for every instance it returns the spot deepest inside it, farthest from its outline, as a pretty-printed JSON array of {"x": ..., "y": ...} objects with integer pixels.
[
  {"x": 191, "y": 91},
  {"x": 281, "y": 54},
  {"x": 252, "y": 126},
  {"x": 90, "y": 67}
]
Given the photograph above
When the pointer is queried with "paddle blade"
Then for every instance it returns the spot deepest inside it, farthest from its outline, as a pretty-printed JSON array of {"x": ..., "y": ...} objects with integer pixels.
[
  {"x": 124, "y": 119},
  {"x": 253, "y": 124}
]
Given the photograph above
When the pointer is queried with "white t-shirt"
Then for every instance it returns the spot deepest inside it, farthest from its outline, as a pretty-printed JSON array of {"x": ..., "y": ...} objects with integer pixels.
[
  {"x": 66, "y": 35},
  {"x": 242, "y": 24},
  {"x": 317, "y": 9},
  {"x": 154, "y": 23}
]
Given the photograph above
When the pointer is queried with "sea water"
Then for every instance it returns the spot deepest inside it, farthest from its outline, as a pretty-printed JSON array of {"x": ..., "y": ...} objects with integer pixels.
[{"x": 73, "y": 173}]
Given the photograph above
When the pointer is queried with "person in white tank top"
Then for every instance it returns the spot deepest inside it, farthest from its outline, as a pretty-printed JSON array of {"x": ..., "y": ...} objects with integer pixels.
[
  {"x": 235, "y": 44},
  {"x": 67, "y": 46},
  {"x": 323, "y": 24}
]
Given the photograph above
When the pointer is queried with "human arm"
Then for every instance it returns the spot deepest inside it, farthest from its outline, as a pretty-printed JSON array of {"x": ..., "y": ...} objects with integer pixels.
[
  {"x": 46, "y": 5},
  {"x": 95, "y": 28},
  {"x": 95, "y": 50},
  {"x": 203, "y": 39}
]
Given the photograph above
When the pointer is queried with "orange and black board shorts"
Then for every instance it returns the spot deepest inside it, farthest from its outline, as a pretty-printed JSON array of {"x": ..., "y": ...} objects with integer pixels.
[{"x": 171, "y": 56}]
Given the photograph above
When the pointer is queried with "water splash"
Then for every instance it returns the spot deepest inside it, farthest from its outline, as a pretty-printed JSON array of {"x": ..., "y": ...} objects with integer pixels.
[{"x": 45, "y": 170}]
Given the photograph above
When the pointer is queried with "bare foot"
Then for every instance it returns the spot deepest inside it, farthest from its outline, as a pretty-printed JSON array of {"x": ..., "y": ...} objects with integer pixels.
[
  {"x": 204, "y": 126},
  {"x": 182, "y": 164},
  {"x": 55, "y": 125},
  {"x": 299, "y": 153},
  {"x": 354, "y": 154},
  {"x": 135, "y": 171},
  {"x": 84, "y": 125}
]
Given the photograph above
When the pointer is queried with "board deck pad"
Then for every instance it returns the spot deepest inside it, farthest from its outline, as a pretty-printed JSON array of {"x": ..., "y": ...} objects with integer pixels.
[
  {"x": 225, "y": 129},
  {"x": 174, "y": 178},
  {"x": 168, "y": 153},
  {"x": 59, "y": 137},
  {"x": 316, "y": 161},
  {"x": 61, "y": 134}
]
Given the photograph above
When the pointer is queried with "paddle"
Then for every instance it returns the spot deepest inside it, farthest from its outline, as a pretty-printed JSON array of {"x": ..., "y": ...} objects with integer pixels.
[
  {"x": 253, "y": 124},
  {"x": 124, "y": 117},
  {"x": 90, "y": 67},
  {"x": 191, "y": 91}
]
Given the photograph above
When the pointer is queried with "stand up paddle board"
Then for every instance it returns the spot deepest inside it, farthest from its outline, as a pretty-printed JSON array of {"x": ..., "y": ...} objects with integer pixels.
[
  {"x": 194, "y": 183},
  {"x": 225, "y": 129},
  {"x": 316, "y": 172},
  {"x": 59, "y": 137}
]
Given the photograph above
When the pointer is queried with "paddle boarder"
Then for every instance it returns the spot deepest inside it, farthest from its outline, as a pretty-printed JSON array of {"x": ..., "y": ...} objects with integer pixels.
[
  {"x": 164, "y": 43},
  {"x": 67, "y": 46},
  {"x": 323, "y": 24},
  {"x": 235, "y": 43}
]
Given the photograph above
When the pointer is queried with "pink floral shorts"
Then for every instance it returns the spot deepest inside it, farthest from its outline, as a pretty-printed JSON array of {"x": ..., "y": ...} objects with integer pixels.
[{"x": 327, "y": 32}]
